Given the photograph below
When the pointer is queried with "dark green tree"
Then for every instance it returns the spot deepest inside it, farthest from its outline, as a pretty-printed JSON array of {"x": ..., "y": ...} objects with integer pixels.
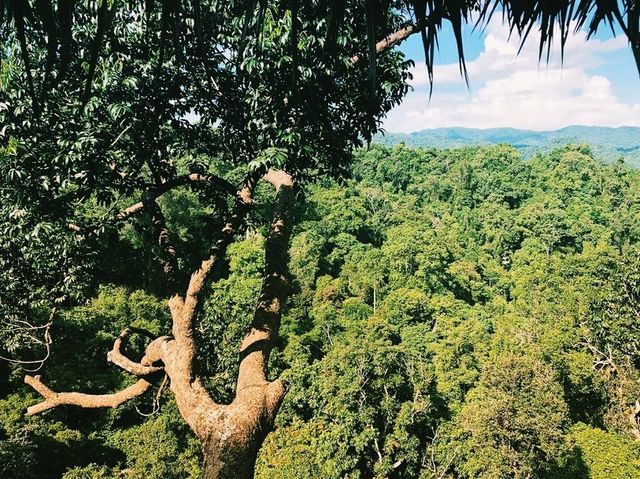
[{"x": 167, "y": 96}]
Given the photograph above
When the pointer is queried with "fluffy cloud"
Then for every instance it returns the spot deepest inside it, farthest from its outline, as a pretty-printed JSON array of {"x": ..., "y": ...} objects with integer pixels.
[{"x": 511, "y": 90}]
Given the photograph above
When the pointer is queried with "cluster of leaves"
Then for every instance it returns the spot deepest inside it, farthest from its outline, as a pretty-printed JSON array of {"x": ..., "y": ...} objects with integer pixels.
[
  {"x": 188, "y": 78},
  {"x": 449, "y": 315},
  {"x": 39, "y": 270},
  {"x": 55, "y": 21}
]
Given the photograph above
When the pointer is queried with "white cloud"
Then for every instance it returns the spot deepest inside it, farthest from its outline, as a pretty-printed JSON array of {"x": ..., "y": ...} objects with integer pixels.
[{"x": 515, "y": 90}]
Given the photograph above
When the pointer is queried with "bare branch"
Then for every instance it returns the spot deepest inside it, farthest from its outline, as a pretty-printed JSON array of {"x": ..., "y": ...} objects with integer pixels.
[
  {"x": 26, "y": 326},
  {"x": 154, "y": 353},
  {"x": 602, "y": 361},
  {"x": 391, "y": 40},
  {"x": 54, "y": 399},
  {"x": 115, "y": 356},
  {"x": 156, "y": 399},
  {"x": 118, "y": 139}
]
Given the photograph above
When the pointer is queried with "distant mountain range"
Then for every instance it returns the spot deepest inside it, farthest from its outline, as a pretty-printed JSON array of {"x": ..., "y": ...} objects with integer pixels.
[{"x": 607, "y": 144}]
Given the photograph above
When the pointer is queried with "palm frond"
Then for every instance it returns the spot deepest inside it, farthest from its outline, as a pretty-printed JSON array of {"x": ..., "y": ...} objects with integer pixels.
[
  {"x": 105, "y": 17},
  {"x": 371, "y": 42},
  {"x": 561, "y": 18}
]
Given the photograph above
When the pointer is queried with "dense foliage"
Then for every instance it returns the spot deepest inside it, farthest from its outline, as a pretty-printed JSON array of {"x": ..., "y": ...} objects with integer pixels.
[
  {"x": 84, "y": 138},
  {"x": 52, "y": 23},
  {"x": 458, "y": 314}
]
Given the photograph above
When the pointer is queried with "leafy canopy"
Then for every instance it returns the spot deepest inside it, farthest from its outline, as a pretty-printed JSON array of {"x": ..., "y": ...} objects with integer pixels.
[
  {"x": 56, "y": 20},
  {"x": 92, "y": 122}
]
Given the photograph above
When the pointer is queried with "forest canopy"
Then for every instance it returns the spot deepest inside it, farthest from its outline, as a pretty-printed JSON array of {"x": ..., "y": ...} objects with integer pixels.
[{"x": 457, "y": 314}]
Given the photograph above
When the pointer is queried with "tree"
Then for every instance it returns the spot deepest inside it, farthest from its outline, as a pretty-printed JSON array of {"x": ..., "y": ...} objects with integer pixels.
[
  {"x": 605, "y": 454},
  {"x": 514, "y": 420},
  {"x": 81, "y": 147},
  {"x": 101, "y": 100}
]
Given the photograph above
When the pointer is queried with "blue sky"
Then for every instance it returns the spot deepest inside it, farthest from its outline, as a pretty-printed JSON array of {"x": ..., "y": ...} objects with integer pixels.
[{"x": 598, "y": 84}]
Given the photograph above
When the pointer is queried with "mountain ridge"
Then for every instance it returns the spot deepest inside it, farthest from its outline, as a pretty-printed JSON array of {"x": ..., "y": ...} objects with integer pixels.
[{"x": 607, "y": 143}]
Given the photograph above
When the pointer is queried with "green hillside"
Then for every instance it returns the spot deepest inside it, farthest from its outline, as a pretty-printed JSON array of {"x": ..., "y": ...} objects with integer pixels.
[
  {"x": 457, "y": 314},
  {"x": 607, "y": 144}
]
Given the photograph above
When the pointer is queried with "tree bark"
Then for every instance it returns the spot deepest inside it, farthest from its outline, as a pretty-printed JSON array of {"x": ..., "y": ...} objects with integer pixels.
[{"x": 236, "y": 434}]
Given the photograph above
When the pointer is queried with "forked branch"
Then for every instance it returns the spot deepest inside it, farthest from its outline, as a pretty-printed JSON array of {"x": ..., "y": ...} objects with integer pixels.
[
  {"x": 143, "y": 370},
  {"x": 184, "y": 310}
]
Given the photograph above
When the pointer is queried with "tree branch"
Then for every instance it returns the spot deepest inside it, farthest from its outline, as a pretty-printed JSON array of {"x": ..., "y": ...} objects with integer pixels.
[
  {"x": 54, "y": 399},
  {"x": 161, "y": 189},
  {"x": 170, "y": 263},
  {"x": 391, "y": 40},
  {"x": 156, "y": 192},
  {"x": 143, "y": 368},
  {"x": 154, "y": 352},
  {"x": 257, "y": 345},
  {"x": 192, "y": 399}
]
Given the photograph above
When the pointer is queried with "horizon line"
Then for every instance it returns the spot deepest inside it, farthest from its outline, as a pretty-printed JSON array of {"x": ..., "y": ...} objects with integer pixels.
[{"x": 385, "y": 132}]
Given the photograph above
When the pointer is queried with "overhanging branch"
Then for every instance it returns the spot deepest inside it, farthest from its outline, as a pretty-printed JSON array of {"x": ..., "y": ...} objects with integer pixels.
[
  {"x": 156, "y": 192},
  {"x": 391, "y": 40}
]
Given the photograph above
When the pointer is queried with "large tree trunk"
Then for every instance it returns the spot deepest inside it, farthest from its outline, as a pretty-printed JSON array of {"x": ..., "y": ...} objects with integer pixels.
[
  {"x": 237, "y": 431},
  {"x": 232, "y": 435},
  {"x": 230, "y": 453}
]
